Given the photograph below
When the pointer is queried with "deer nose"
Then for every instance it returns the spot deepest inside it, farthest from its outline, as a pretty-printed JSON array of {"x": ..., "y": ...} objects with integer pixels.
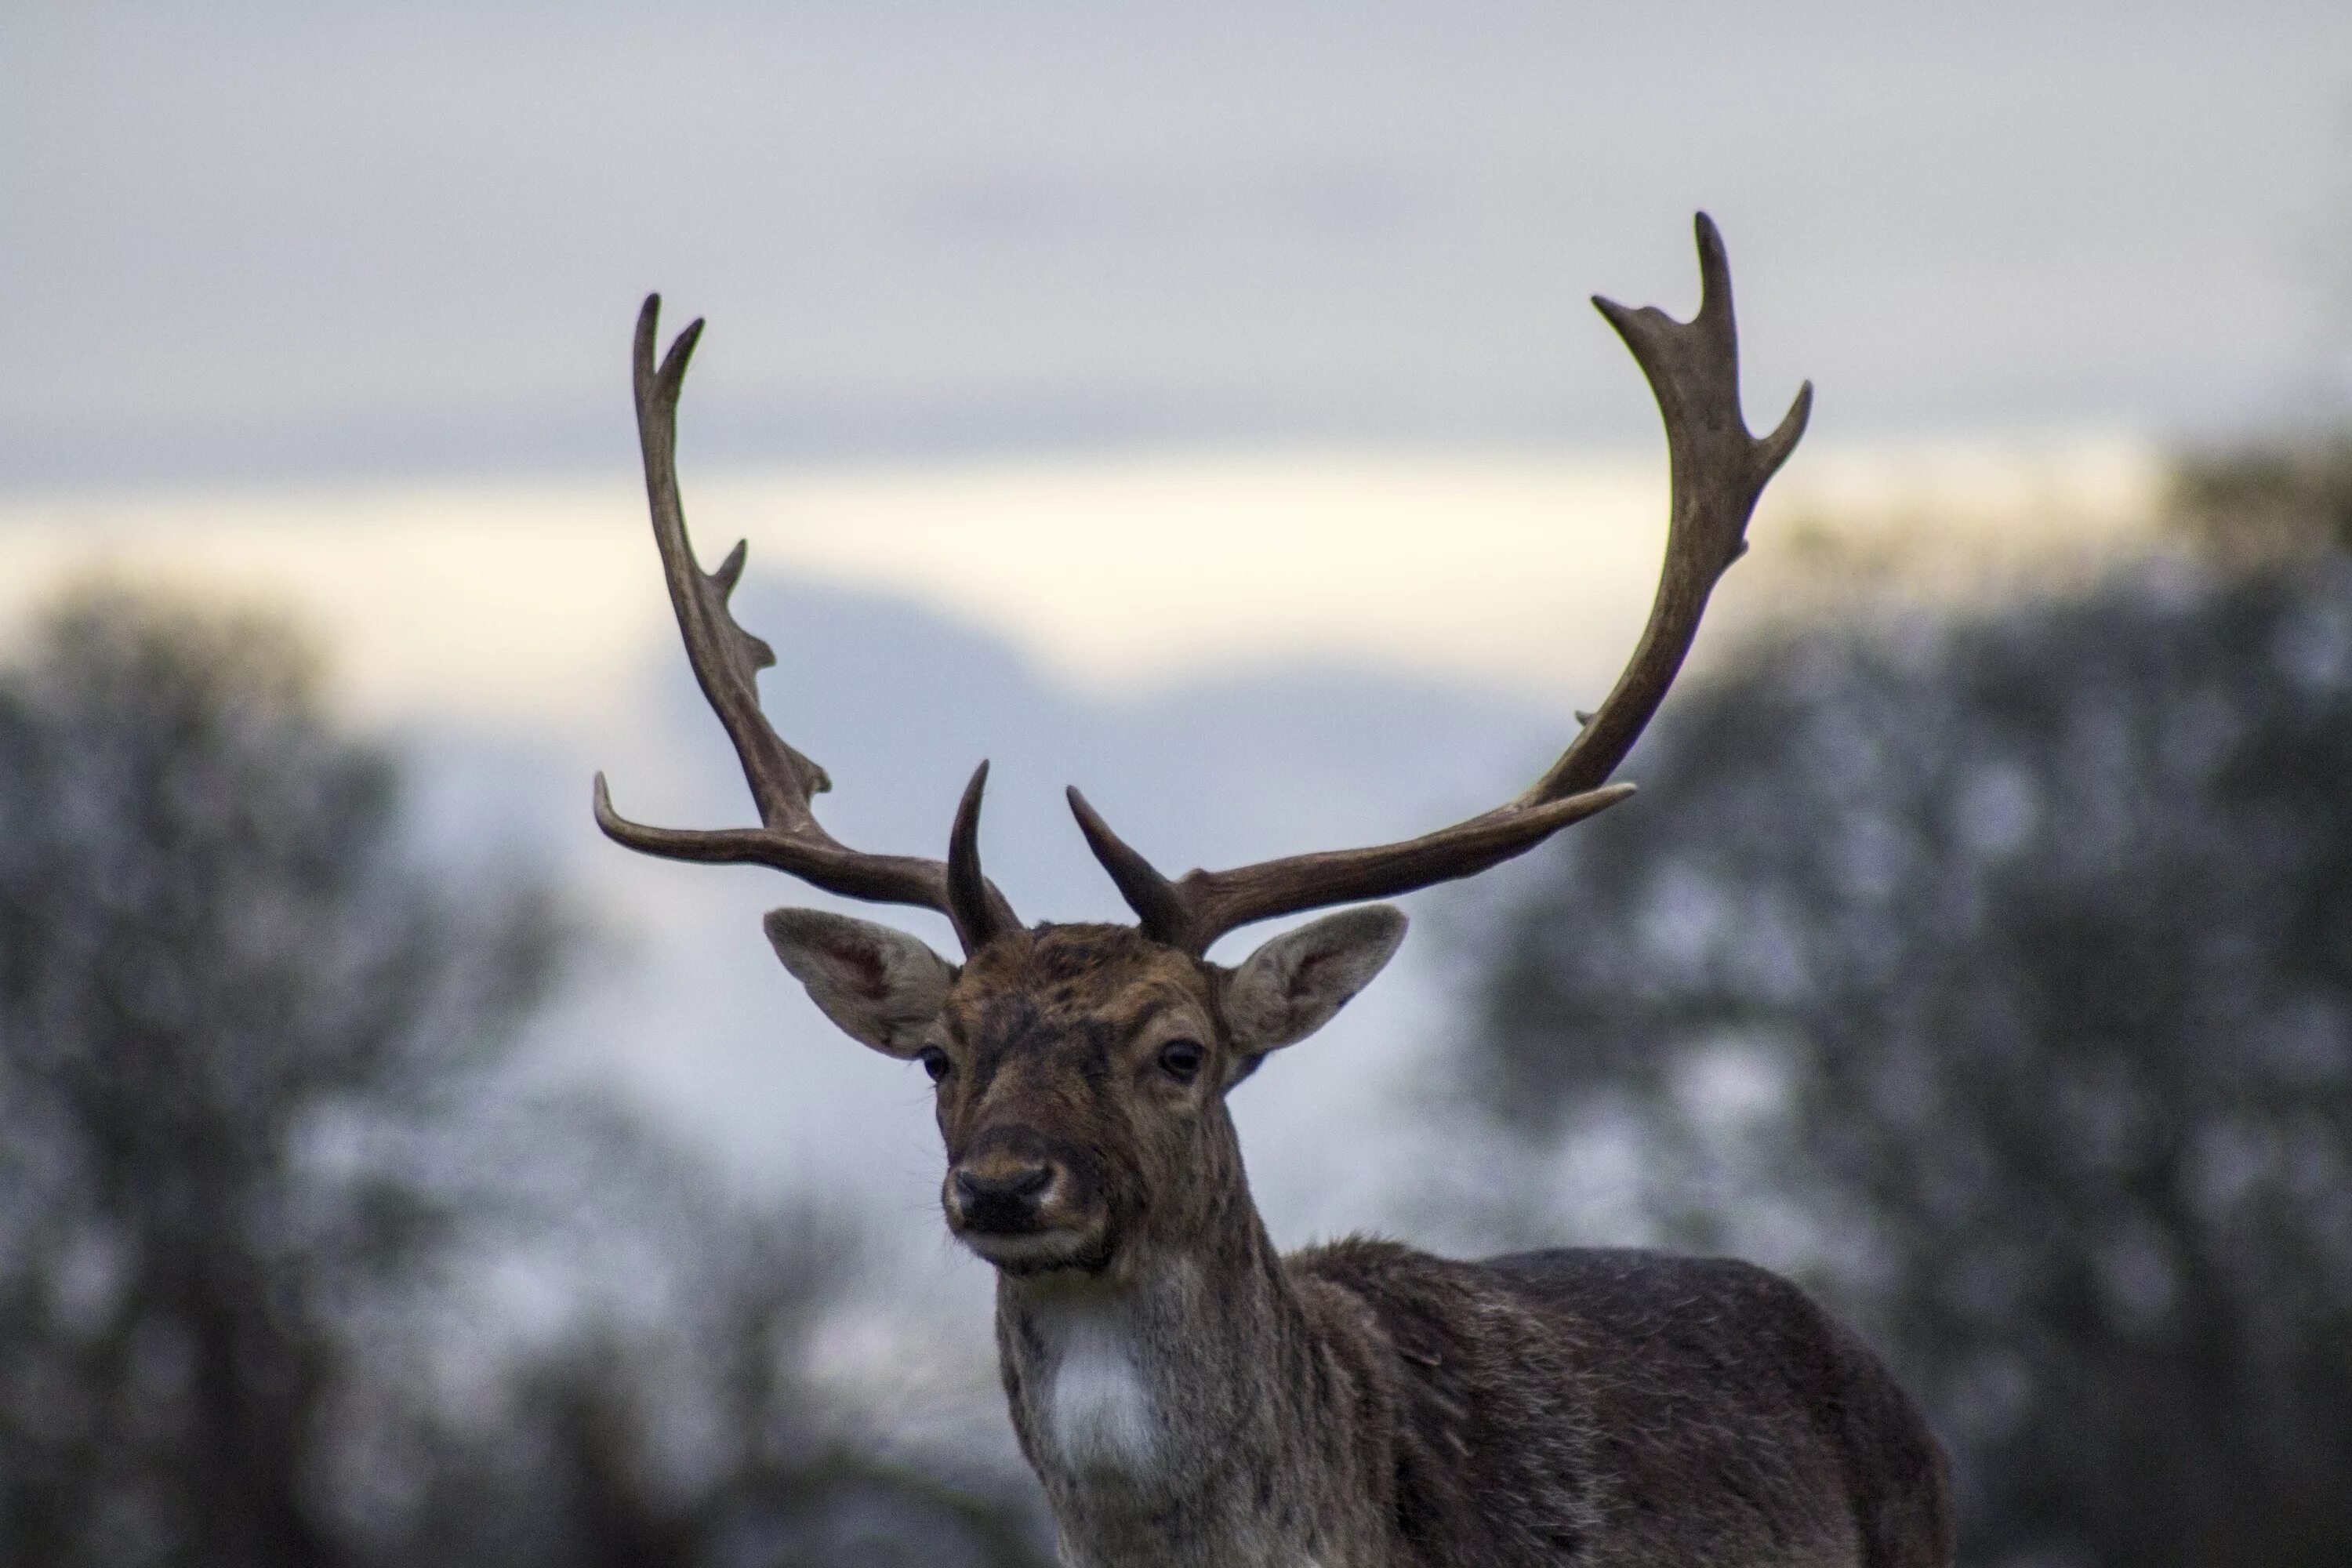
[{"x": 999, "y": 1198}]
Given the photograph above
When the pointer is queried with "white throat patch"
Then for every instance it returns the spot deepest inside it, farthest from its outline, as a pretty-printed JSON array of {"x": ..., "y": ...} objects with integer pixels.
[{"x": 1099, "y": 1410}]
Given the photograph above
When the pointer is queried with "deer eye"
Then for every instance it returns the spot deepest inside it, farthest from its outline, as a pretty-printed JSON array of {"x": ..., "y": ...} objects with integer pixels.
[
  {"x": 1181, "y": 1059},
  {"x": 935, "y": 1062}
]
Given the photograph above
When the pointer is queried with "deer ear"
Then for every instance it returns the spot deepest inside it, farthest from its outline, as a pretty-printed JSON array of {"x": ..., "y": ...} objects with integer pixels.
[
  {"x": 1291, "y": 986},
  {"x": 882, "y": 986}
]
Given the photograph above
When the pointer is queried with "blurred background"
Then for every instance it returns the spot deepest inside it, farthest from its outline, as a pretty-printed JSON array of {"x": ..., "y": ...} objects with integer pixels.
[{"x": 1198, "y": 404}]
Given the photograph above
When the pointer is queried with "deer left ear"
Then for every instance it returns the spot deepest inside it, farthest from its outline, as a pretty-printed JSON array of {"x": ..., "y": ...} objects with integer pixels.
[
  {"x": 1291, "y": 986},
  {"x": 882, "y": 986}
]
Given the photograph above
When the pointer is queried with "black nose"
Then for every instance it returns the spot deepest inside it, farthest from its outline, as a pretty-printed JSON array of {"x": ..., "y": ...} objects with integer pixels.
[{"x": 1003, "y": 1200}]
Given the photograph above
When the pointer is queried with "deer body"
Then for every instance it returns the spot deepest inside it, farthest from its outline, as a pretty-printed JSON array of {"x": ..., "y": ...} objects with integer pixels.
[
  {"x": 1191, "y": 1398},
  {"x": 1200, "y": 1399},
  {"x": 1461, "y": 1418}
]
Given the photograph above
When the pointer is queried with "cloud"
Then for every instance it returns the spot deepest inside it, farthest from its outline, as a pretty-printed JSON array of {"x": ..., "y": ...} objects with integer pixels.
[{"x": 268, "y": 240}]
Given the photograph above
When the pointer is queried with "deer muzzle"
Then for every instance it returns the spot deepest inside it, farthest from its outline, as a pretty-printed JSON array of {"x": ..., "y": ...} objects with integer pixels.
[{"x": 1020, "y": 1207}]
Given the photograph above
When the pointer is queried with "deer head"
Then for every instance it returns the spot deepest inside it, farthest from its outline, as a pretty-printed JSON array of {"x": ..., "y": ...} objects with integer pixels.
[{"x": 1082, "y": 1069}]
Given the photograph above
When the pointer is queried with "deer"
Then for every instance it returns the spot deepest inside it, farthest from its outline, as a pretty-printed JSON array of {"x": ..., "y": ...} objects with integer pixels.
[{"x": 1188, "y": 1395}]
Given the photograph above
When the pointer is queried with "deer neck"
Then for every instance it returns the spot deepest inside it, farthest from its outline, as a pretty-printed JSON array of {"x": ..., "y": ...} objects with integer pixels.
[{"x": 1191, "y": 1412}]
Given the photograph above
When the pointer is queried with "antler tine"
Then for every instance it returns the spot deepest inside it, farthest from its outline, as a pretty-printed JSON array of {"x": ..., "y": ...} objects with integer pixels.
[
  {"x": 978, "y": 910},
  {"x": 726, "y": 660},
  {"x": 1162, "y": 911},
  {"x": 1193, "y": 912},
  {"x": 1718, "y": 472}
]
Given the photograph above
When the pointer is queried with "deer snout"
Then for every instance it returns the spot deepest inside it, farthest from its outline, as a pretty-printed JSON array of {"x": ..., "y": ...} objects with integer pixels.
[{"x": 1001, "y": 1194}]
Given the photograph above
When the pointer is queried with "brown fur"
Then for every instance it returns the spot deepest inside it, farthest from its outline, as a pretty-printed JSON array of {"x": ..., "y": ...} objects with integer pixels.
[{"x": 1191, "y": 1398}]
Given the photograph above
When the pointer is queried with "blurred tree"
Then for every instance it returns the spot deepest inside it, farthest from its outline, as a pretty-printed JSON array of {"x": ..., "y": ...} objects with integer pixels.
[
  {"x": 1997, "y": 975},
  {"x": 225, "y": 993},
  {"x": 2268, "y": 501},
  {"x": 265, "y": 1195},
  {"x": 675, "y": 1426}
]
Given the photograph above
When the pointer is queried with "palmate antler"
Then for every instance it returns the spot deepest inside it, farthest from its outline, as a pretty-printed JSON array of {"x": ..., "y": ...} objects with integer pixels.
[
  {"x": 1718, "y": 472},
  {"x": 726, "y": 660}
]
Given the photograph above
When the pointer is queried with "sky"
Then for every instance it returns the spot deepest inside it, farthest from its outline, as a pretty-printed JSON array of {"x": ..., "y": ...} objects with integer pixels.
[{"x": 256, "y": 240}]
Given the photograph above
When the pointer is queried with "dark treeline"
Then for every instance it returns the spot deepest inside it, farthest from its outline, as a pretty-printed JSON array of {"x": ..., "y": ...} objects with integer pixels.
[
  {"x": 1993, "y": 971},
  {"x": 279, "y": 1230}
]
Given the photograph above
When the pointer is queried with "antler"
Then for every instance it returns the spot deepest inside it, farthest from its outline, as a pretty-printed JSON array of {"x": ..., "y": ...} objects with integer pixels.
[
  {"x": 726, "y": 660},
  {"x": 1718, "y": 472}
]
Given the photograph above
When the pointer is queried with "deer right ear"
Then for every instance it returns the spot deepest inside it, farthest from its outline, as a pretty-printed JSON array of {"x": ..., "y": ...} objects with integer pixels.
[
  {"x": 1290, "y": 987},
  {"x": 882, "y": 986}
]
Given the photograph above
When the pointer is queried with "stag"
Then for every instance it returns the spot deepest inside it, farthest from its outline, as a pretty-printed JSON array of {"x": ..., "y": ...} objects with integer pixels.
[{"x": 1189, "y": 1395}]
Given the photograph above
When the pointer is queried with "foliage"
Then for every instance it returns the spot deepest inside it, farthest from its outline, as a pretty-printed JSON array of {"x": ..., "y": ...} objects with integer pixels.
[
  {"x": 2278, "y": 499},
  {"x": 268, "y": 1188},
  {"x": 222, "y": 993},
  {"x": 1995, "y": 974}
]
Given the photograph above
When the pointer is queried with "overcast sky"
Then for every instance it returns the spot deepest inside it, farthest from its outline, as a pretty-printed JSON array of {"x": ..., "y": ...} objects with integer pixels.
[{"x": 273, "y": 239}]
